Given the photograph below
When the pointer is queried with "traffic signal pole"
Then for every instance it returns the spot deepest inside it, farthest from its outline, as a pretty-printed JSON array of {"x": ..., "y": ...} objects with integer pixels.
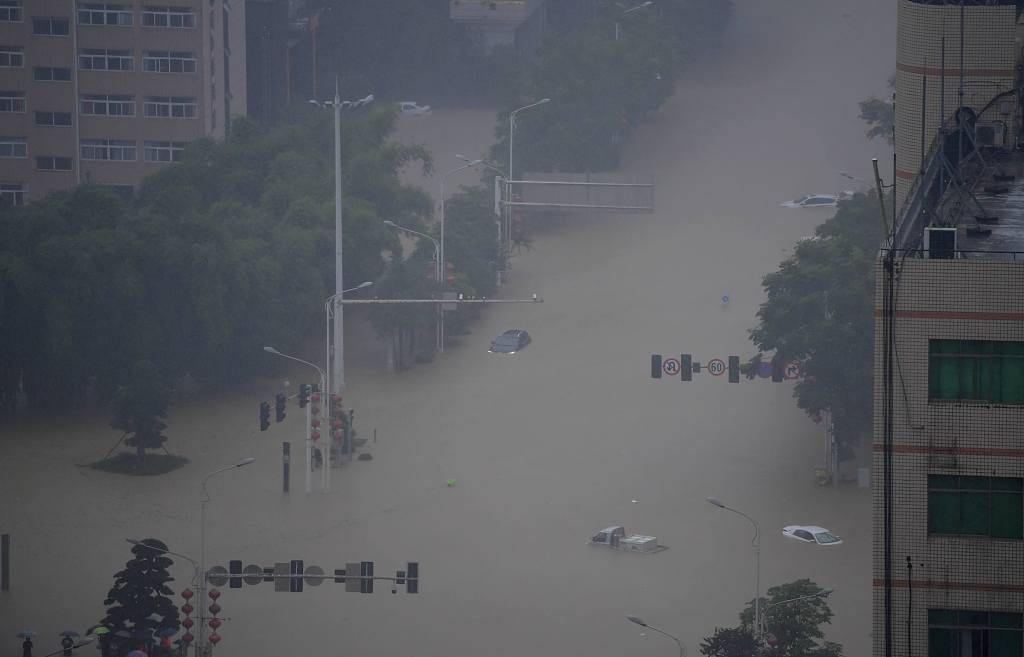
[{"x": 309, "y": 450}]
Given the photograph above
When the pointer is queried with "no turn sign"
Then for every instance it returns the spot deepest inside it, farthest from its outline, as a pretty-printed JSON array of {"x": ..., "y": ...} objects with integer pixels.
[
  {"x": 671, "y": 366},
  {"x": 716, "y": 366},
  {"x": 793, "y": 371}
]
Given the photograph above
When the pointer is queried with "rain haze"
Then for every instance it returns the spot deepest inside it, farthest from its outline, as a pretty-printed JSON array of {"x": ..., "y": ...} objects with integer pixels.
[{"x": 492, "y": 471}]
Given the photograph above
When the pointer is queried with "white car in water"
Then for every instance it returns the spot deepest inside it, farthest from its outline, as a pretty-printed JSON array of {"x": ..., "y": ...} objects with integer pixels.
[
  {"x": 411, "y": 108},
  {"x": 818, "y": 200},
  {"x": 811, "y": 534}
]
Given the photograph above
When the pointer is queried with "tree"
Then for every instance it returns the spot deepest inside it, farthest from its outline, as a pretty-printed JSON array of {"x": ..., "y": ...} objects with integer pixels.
[
  {"x": 819, "y": 311},
  {"x": 140, "y": 408},
  {"x": 139, "y": 601},
  {"x": 791, "y": 628},
  {"x": 878, "y": 114}
]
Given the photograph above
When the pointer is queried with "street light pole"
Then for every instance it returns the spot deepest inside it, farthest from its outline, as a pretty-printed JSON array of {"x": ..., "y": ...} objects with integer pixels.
[
  {"x": 641, "y": 623},
  {"x": 498, "y": 264},
  {"x": 511, "y": 171},
  {"x": 330, "y": 306},
  {"x": 756, "y": 542},
  {"x": 204, "y": 499},
  {"x": 444, "y": 177},
  {"x": 309, "y": 445}
]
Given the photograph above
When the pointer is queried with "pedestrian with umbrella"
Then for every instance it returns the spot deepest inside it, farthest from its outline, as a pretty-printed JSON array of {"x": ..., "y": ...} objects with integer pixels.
[
  {"x": 26, "y": 645},
  {"x": 102, "y": 632}
]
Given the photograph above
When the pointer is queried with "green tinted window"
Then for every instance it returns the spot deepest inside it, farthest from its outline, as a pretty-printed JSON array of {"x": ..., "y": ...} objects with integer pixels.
[
  {"x": 976, "y": 370},
  {"x": 977, "y": 506}
]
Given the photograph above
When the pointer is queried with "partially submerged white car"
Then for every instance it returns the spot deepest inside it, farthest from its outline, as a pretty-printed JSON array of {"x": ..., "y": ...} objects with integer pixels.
[
  {"x": 411, "y": 108},
  {"x": 811, "y": 534},
  {"x": 819, "y": 200}
]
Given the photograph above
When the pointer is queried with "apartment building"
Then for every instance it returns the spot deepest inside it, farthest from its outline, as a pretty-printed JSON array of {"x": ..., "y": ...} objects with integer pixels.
[
  {"x": 108, "y": 93},
  {"x": 948, "y": 495}
]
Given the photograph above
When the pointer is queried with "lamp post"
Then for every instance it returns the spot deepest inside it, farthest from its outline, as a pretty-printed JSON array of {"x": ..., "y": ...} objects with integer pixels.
[
  {"x": 338, "y": 371},
  {"x": 629, "y": 11},
  {"x": 309, "y": 446},
  {"x": 204, "y": 499},
  {"x": 764, "y": 615},
  {"x": 501, "y": 175},
  {"x": 439, "y": 343},
  {"x": 444, "y": 177},
  {"x": 331, "y": 310},
  {"x": 511, "y": 171},
  {"x": 641, "y": 623},
  {"x": 756, "y": 542}
]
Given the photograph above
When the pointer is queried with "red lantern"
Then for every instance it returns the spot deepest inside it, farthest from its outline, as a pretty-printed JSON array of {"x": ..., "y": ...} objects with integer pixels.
[
  {"x": 215, "y": 609},
  {"x": 315, "y": 396},
  {"x": 214, "y": 623},
  {"x": 449, "y": 267},
  {"x": 315, "y": 435},
  {"x": 187, "y": 623},
  {"x": 187, "y": 608},
  {"x": 187, "y": 593},
  {"x": 214, "y": 594},
  {"x": 336, "y": 424},
  {"x": 335, "y": 398},
  {"x": 214, "y": 639},
  {"x": 315, "y": 423},
  {"x": 337, "y": 435},
  {"x": 450, "y": 278},
  {"x": 315, "y": 410},
  {"x": 187, "y": 638}
]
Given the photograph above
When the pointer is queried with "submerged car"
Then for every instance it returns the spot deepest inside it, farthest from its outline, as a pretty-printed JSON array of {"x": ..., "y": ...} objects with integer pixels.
[
  {"x": 411, "y": 108},
  {"x": 811, "y": 534},
  {"x": 818, "y": 200},
  {"x": 510, "y": 342}
]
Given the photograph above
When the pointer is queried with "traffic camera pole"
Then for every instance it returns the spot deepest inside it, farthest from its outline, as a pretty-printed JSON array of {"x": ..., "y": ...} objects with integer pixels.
[{"x": 309, "y": 450}]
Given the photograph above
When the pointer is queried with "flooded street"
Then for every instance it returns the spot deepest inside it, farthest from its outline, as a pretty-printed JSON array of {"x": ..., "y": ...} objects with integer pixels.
[{"x": 547, "y": 446}]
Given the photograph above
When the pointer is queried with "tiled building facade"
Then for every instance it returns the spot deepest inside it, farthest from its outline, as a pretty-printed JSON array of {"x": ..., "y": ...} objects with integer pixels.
[
  {"x": 108, "y": 92},
  {"x": 929, "y": 30},
  {"x": 957, "y": 457}
]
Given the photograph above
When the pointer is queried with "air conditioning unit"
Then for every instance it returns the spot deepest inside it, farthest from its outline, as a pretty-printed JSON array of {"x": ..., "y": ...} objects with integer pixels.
[{"x": 939, "y": 243}]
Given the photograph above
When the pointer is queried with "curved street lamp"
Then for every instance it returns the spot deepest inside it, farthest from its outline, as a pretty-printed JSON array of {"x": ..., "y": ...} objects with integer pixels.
[
  {"x": 756, "y": 543},
  {"x": 641, "y": 623}
]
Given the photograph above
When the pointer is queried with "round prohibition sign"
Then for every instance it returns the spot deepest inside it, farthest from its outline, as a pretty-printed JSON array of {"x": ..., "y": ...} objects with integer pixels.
[
  {"x": 671, "y": 366},
  {"x": 716, "y": 366}
]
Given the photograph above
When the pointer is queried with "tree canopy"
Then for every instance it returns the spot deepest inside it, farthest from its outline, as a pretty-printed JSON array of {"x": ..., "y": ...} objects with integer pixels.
[
  {"x": 140, "y": 602},
  {"x": 819, "y": 310}
]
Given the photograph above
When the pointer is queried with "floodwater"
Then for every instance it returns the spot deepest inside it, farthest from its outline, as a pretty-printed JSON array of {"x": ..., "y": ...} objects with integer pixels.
[{"x": 546, "y": 446}]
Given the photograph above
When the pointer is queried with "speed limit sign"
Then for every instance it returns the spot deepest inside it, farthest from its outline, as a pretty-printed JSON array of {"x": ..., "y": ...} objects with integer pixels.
[{"x": 716, "y": 367}]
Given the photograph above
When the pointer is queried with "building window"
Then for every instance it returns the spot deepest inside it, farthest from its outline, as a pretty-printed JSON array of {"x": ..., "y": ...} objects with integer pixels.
[
  {"x": 12, "y": 57},
  {"x": 50, "y": 26},
  {"x": 10, "y": 11},
  {"x": 106, "y": 60},
  {"x": 976, "y": 370},
  {"x": 53, "y": 163},
  {"x": 102, "y": 14},
  {"x": 13, "y": 193},
  {"x": 169, "y": 62},
  {"x": 164, "y": 151},
  {"x": 12, "y": 101},
  {"x": 93, "y": 105},
  {"x": 960, "y": 633},
  {"x": 54, "y": 119},
  {"x": 179, "y": 17},
  {"x": 51, "y": 74},
  {"x": 13, "y": 147},
  {"x": 164, "y": 107},
  {"x": 976, "y": 506},
  {"x": 108, "y": 149}
]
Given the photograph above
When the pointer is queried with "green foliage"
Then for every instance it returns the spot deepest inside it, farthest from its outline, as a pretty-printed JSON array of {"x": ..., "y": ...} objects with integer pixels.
[
  {"x": 140, "y": 408},
  {"x": 791, "y": 629},
  {"x": 228, "y": 250},
  {"x": 879, "y": 115},
  {"x": 819, "y": 310},
  {"x": 140, "y": 600},
  {"x": 600, "y": 87}
]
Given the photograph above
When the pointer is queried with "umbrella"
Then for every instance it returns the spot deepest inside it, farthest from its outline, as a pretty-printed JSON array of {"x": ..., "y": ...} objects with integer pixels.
[
  {"x": 167, "y": 631},
  {"x": 136, "y": 653},
  {"x": 70, "y": 633},
  {"x": 26, "y": 634},
  {"x": 98, "y": 630}
]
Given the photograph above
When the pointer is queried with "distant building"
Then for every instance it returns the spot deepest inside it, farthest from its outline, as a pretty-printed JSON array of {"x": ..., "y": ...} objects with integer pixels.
[
  {"x": 948, "y": 477},
  {"x": 518, "y": 24},
  {"x": 109, "y": 92}
]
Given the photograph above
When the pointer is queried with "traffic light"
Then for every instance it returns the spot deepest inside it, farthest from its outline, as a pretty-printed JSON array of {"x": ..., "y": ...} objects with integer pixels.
[
  {"x": 366, "y": 580},
  {"x": 235, "y": 571},
  {"x": 686, "y": 369},
  {"x": 305, "y": 390},
  {"x": 280, "y": 401},
  {"x": 734, "y": 369},
  {"x": 264, "y": 416},
  {"x": 412, "y": 577},
  {"x": 655, "y": 366},
  {"x": 295, "y": 585}
]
